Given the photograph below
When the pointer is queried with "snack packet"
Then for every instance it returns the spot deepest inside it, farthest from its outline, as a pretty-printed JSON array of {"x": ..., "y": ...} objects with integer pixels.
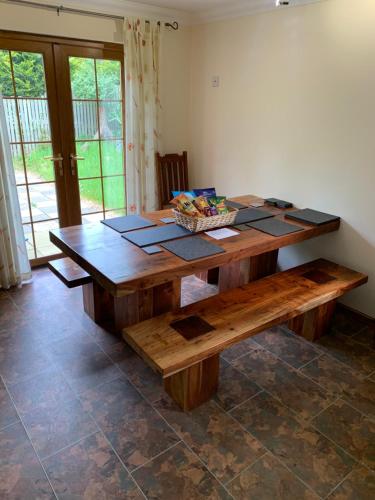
[
  {"x": 213, "y": 210},
  {"x": 184, "y": 204},
  {"x": 202, "y": 205},
  {"x": 189, "y": 194},
  {"x": 218, "y": 202},
  {"x": 207, "y": 193},
  {"x": 180, "y": 198}
]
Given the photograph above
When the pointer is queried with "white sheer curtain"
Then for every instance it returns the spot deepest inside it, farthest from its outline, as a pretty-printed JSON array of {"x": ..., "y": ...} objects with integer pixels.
[
  {"x": 142, "y": 103},
  {"x": 14, "y": 263}
]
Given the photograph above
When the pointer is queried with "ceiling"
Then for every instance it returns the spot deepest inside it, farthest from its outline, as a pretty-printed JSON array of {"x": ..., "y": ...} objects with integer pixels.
[
  {"x": 215, "y": 6},
  {"x": 190, "y": 5}
]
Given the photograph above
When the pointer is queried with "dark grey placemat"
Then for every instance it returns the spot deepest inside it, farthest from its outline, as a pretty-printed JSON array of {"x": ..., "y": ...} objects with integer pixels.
[
  {"x": 251, "y": 215},
  {"x": 234, "y": 204},
  {"x": 242, "y": 227},
  {"x": 275, "y": 227},
  {"x": 168, "y": 220},
  {"x": 152, "y": 250},
  {"x": 311, "y": 216},
  {"x": 192, "y": 248},
  {"x": 147, "y": 237},
  {"x": 128, "y": 223},
  {"x": 276, "y": 202}
]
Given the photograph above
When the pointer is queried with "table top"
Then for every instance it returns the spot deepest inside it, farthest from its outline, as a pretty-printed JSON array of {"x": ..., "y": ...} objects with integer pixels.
[{"x": 122, "y": 268}]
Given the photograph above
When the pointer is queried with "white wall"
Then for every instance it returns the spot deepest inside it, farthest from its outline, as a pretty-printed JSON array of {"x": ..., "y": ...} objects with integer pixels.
[
  {"x": 175, "y": 58},
  {"x": 175, "y": 90},
  {"x": 294, "y": 118}
]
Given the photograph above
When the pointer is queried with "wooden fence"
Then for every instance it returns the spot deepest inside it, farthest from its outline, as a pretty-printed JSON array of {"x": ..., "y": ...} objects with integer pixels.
[{"x": 34, "y": 120}]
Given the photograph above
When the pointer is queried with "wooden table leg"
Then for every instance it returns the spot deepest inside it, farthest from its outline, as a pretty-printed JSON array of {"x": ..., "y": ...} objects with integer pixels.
[
  {"x": 234, "y": 275},
  {"x": 115, "y": 313},
  {"x": 194, "y": 386},
  {"x": 315, "y": 323},
  {"x": 263, "y": 265},
  {"x": 244, "y": 271},
  {"x": 211, "y": 276}
]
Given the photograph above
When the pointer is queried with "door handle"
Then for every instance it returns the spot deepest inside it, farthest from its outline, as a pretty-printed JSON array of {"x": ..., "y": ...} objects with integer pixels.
[
  {"x": 58, "y": 158},
  {"x": 73, "y": 162}
]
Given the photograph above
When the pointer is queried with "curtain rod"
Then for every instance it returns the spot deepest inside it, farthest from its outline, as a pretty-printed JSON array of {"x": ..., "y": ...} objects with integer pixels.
[{"x": 61, "y": 8}]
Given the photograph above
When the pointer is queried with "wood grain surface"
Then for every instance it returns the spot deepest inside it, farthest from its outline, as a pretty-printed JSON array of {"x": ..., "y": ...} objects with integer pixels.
[
  {"x": 122, "y": 268},
  {"x": 241, "y": 313}
]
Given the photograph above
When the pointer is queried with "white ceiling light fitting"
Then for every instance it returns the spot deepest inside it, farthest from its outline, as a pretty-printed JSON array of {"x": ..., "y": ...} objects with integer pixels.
[{"x": 282, "y": 3}]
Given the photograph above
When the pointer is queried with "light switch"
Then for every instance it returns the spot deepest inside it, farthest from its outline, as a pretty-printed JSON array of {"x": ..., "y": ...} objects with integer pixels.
[{"x": 216, "y": 81}]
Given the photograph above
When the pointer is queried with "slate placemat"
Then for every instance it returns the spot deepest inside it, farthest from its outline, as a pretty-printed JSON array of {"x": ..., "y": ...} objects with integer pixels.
[
  {"x": 310, "y": 216},
  {"x": 242, "y": 227},
  {"x": 234, "y": 204},
  {"x": 251, "y": 215},
  {"x": 155, "y": 235},
  {"x": 168, "y": 220},
  {"x": 192, "y": 248},
  {"x": 154, "y": 249},
  {"x": 128, "y": 223},
  {"x": 275, "y": 227},
  {"x": 275, "y": 202}
]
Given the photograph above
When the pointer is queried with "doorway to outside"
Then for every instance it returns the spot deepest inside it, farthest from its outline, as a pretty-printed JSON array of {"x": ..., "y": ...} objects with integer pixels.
[{"x": 64, "y": 105}]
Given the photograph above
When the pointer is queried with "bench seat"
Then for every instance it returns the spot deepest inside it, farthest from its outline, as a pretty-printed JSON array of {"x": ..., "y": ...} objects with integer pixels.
[
  {"x": 70, "y": 273},
  {"x": 186, "y": 344}
]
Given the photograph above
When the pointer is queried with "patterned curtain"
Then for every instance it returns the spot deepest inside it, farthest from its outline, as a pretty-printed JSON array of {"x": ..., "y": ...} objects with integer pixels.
[
  {"x": 14, "y": 263},
  {"x": 142, "y": 44}
]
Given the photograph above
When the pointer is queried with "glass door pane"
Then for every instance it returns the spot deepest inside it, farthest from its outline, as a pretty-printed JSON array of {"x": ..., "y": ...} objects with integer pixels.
[
  {"x": 24, "y": 90},
  {"x": 97, "y": 103}
]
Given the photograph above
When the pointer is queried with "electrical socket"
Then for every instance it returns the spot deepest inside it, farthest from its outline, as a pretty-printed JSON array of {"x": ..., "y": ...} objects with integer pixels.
[{"x": 216, "y": 81}]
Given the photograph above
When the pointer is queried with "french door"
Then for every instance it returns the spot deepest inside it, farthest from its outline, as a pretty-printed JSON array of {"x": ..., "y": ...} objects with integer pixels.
[{"x": 65, "y": 115}]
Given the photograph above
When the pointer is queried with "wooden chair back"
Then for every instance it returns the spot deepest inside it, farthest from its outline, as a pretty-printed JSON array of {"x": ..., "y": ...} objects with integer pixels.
[{"x": 172, "y": 174}]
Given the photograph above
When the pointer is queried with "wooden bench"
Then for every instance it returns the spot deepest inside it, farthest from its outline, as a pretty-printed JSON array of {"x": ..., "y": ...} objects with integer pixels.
[
  {"x": 184, "y": 346},
  {"x": 70, "y": 273}
]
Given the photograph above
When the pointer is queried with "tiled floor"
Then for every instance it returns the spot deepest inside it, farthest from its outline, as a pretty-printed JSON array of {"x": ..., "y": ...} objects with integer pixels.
[{"x": 81, "y": 416}]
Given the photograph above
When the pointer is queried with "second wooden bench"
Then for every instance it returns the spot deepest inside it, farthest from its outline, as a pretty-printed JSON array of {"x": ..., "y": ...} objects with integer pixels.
[
  {"x": 70, "y": 273},
  {"x": 184, "y": 346}
]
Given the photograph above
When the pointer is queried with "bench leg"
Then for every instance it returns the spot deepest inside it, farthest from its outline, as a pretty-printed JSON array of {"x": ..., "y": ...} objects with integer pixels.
[
  {"x": 315, "y": 323},
  {"x": 194, "y": 386},
  {"x": 115, "y": 313}
]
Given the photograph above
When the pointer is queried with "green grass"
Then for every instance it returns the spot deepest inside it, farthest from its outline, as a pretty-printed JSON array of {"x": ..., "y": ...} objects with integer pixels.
[{"x": 90, "y": 189}]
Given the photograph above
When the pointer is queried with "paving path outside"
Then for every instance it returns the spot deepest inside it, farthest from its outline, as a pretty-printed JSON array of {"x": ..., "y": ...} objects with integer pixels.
[{"x": 43, "y": 205}]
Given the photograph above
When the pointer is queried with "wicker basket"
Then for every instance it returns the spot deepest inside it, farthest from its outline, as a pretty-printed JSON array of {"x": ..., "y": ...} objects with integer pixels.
[{"x": 197, "y": 224}]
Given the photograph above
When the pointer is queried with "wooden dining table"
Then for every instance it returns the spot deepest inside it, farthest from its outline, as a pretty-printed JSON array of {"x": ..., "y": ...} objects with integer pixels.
[{"x": 129, "y": 286}]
